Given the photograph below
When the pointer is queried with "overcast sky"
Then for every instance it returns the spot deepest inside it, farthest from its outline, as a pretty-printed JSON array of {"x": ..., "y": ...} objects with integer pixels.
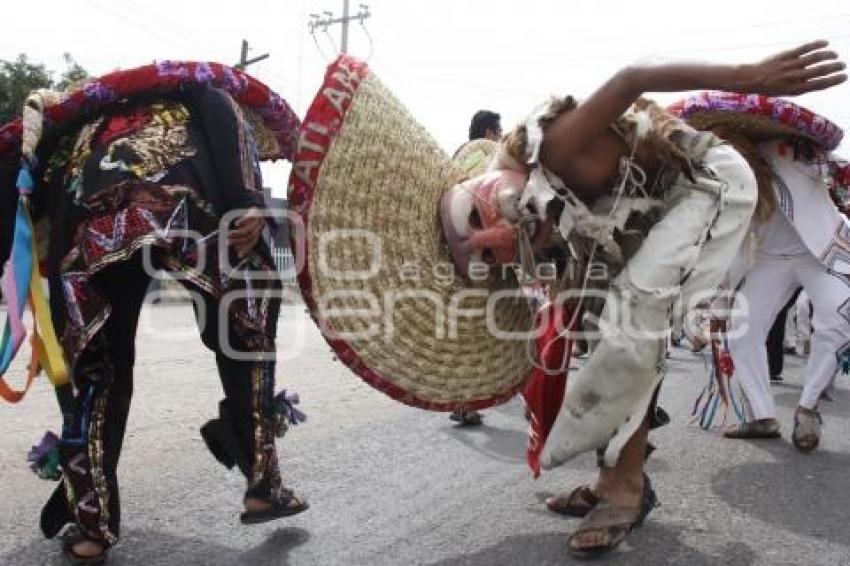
[{"x": 445, "y": 59}]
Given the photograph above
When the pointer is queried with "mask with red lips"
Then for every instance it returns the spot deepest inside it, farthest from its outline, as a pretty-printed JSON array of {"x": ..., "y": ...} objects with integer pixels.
[{"x": 481, "y": 219}]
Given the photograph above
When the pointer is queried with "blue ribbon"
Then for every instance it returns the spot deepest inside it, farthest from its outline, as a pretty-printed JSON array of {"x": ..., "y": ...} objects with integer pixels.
[
  {"x": 21, "y": 260},
  {"x": 25, "y": 182}
]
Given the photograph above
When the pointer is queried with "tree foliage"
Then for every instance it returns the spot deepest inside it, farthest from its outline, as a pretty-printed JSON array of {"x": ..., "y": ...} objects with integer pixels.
[
  {"x": 21, "y": 76},
  {"x": 73, "y": 74}
]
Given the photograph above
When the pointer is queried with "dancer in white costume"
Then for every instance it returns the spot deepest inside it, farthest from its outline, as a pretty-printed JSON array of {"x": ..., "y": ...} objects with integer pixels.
[
  {"x": 614, "y": 152},
  {"x": 805, "y": 242}
]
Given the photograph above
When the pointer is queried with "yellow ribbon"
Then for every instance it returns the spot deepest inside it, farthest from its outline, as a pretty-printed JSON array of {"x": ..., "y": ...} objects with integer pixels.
[
  {"x": 49, "y": 352},
  {"x": 46, "y": 352}
]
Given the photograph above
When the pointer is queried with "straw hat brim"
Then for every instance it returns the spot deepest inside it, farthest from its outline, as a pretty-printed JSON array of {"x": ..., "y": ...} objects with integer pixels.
[
  {"x": 474, "y": 157},
  {"x": 758, "y": 117},
  {"x": 366, "y": 183}
]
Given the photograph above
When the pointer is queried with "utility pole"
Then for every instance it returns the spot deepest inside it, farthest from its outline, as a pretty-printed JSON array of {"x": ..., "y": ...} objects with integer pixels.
[
  {"x": 343, "y": 44},
  {"x": 243, "y": 57},
  {"x": 327, "y": 19}
]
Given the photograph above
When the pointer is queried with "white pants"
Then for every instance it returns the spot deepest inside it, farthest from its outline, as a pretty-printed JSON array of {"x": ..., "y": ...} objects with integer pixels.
[
  {"x": 767, "y": 287},
  {"x": 687, "y": 251}
]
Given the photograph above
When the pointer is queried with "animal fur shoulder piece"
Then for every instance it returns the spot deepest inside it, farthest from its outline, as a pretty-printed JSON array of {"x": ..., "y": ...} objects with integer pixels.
[
  {"x": 33, "y": 118},
  {"x": 613, "y": 227},
  {"x": 521, "y": 150}
]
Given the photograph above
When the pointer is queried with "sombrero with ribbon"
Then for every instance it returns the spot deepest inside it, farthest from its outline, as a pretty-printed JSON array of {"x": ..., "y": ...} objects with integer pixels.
[
  {"x": 47, "y": 113},
  {"x": 761, "y": 118},
  {"x": 372, "y": 264},
  {"x": 757, "y": 117}
]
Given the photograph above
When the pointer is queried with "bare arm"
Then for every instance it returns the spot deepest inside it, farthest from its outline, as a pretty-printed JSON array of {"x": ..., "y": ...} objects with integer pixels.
[{"x": 797, "y": 71}]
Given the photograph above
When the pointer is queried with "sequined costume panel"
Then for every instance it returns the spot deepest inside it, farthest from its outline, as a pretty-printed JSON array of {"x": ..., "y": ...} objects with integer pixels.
[{"x": 155, "y": 179}]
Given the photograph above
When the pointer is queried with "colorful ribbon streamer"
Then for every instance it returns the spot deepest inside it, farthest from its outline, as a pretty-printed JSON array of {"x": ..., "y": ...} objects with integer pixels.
[
  {"x": 719, "y": 392},
  {"x": 22, "y": 283}
]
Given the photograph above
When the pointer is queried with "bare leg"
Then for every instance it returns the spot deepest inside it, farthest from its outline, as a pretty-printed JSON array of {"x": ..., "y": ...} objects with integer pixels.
[{"x": 621, "y": 486}]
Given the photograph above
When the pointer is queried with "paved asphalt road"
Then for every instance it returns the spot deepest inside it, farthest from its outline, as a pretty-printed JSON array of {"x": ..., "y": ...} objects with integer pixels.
[{"x": 393, "y": 485}]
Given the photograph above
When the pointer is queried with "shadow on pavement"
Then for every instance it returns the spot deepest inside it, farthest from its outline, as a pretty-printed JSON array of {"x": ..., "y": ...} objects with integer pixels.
[
  {"x": 799, "y": 493},
  {"x": 513, "y": 408},
  {"x": 655, "y": 544},
  {"x": 502, "y": 444},
  {"x": 157, "y": 547},
  {"x": 275, "y": 548},
  {"x": 509, "y": 445}
]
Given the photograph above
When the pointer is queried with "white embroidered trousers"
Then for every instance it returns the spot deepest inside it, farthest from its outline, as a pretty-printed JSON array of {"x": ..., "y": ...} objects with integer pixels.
[{"x": 767, "y": 287}]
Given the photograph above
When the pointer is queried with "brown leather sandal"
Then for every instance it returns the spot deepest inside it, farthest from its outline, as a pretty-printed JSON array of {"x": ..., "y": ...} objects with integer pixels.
[
  {"x": 760, "y": 429},
  {"x": 616, "y": 522},
  {"x": 73, "y": 536},
  {"x": 577, "y": 503},
  {"x": 285, "y": 505},
  {"x": 807, "y": 425}
]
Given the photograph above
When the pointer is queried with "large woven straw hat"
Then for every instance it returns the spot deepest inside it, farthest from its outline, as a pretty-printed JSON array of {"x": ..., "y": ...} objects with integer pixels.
[
  {"x": 757, "y": 117},
  {"x": 474, "y": 157},
  {"x": 373, "y": 268}
]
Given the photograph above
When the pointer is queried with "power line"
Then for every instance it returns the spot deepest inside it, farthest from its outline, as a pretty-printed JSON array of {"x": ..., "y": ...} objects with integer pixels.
[
  {"x": 501, "y": 88},
  {"x": 300, "y": 62},
  {"x": 180, "y": 35},
  {"x": 319, "y": 48},
  {"x": 761, "y": 25},
  {"x": 327, "y": 19},
  {"x": 187, "y": 34},
  {"x": 369, "y": 37},
  {"x": 184, "y": 33},
  {"x": 243, "y": 57},
  {"x": 528, "y": 61},
  {"x": 153, "y": 29},
  {"x": 186, "y": 37}
]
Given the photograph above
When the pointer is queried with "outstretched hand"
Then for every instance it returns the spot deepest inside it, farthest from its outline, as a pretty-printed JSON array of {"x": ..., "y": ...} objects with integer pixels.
[
  {"x": 804, "y": 69},
  {"x": 246, "y": 231}
]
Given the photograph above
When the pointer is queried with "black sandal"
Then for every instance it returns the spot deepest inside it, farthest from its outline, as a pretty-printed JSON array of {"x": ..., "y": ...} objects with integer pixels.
[
  {"x": 617, "y": 522},
  {"x": 74, "y": 535},
  {"x": 466, "y": 418},
  {"x": 278, "y": 508}
]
